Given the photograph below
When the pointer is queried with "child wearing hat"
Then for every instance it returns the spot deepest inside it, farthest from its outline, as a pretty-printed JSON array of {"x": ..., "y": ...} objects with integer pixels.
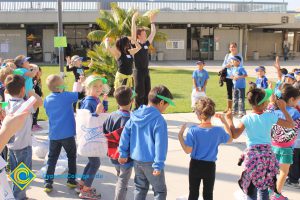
[
  {"x": 261, "y": 80},
  {"x": 200, "y": 78}
]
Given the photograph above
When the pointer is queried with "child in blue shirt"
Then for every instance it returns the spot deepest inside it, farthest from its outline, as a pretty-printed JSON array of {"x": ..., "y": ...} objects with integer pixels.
[
  {"x": 202, "y": 142},
  {"x": 62, "y": 129},
  {"x": 112, "y": 128},
  {"x": 200, "y": 77},
  {"x": 93, "y": 87},
  {"x": 239, "y": 85},
  {"x": 145, "y": 140},
  {"x": 261, "y": 80}
]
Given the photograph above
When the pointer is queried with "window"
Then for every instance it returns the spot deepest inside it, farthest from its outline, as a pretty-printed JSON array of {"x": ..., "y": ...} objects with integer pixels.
[{"x": 175, "y": 44}]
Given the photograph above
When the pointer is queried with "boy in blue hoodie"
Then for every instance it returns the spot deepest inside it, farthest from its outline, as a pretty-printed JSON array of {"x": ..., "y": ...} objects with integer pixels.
[{"x": 145, "y": 140}]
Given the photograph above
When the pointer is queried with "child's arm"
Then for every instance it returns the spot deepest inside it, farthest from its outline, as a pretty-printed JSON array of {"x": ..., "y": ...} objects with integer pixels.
[
  {"x": 288, "y": 122},
  {"x": 195, "y": 84},
  {"x": 277, "y": 67},
  {"x": 236, "y": 132},
  {"x": 31, "y": 73},
  {"x": 124, "y": 143},
  {"x": 226, "y": 126},
  {"x": 105, "y": 102},
  {"x": 204, "y": 86},
  {"x": 39, "y": 101},
  {"x": 185, "y": 148}
]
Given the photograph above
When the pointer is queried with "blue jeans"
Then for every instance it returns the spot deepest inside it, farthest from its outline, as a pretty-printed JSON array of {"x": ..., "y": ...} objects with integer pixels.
[
  {"x": 263, "y": 194},
  {"x": 144, "y": 177},
  {"x": 55, "y": 146},
  {"x": 239, "y": 100},
  {"x": 16, "y": 157},
  {"x": 90, "y": 171}
]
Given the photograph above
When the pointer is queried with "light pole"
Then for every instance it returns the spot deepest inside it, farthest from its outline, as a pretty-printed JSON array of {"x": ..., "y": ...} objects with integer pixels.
[{"x": 60, "y": 34}]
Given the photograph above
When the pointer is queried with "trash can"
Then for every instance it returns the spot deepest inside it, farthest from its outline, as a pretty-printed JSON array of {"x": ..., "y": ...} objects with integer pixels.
[
  {"x": 47, "y": 56},
  {"x": 255, "y": 55},
  {"x": 160, "y": 56}
]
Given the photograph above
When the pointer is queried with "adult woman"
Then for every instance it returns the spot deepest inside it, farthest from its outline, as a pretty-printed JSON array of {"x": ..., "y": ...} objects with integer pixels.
[
  {"x": 233, "y": 51},
  {"x": 123, "y": 53}
]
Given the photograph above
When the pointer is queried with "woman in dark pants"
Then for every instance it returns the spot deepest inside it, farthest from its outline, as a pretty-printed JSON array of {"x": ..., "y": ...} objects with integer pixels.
[{"x": 233, "y": 51}]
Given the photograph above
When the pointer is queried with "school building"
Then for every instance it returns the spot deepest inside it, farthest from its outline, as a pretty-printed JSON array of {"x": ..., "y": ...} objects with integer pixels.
[{"x": 196, "y": 29}]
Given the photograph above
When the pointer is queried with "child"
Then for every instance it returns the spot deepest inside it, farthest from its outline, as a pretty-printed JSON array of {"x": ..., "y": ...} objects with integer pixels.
[
  {"x": 37, "y": 86},
  {"x": 112, "y": 128},
  {"x": 200, "y": 78},
  {"x": 20, "y": 149},
  {"x": 297, "y": 75},
  {"x": 4, "y": 72},
  {"x": 284, "y": 138},
  {"x": 261, "y": 80},
  {"x": 58, "y": 106},
  {"x": 202, "y": 143},
  {"x": 25, "y": 70},
  {"x": 145, "y": 140},
  {"x": 260, "y": 162},
  {"x": 93, "y": 85},
  {"x": 239, "y": 85}
]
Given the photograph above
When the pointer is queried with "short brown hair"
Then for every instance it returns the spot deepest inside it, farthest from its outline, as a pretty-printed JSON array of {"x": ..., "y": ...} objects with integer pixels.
[
  {"x": 159, "y": 90},
  {"x": 52, "y": 82},
  {"x": 14, "y": 84},
  {"x": 4, "y": 72},
  {"x": 205, "y": 108},
  {"x": 123, "y": 95},
  {"x": 140, "y": 30}
]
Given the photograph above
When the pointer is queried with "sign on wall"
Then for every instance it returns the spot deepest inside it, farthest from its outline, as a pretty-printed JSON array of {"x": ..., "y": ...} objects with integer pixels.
[{"x": 175, "y": 44}]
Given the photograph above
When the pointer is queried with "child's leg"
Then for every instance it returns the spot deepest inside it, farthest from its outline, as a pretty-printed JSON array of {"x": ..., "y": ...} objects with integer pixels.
[
  {"x": 124, "y": 174},
  {"x": 90, "y": 172},
  {"x": 69, "y": 145},
  {"x": 263, "y": 194},
  {"x": 242, "y": 101},
  {"x": 209, "y": 173},
  {"x": 54, "y": 151},
  {"x": 294, "y": 173},
  {"x": 236, "y": 100},
  {"x": 194, "y": 180},
  {"x": 284, "y": 170},
  {"x": 140, "y": 181}
]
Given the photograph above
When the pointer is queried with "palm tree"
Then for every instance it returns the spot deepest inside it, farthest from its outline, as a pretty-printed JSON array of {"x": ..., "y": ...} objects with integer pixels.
[{"x": 113, "y": 25}]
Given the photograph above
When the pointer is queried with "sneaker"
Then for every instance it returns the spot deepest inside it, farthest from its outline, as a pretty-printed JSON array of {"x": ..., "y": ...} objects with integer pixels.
[
  {"x": 36, "y": 128},
  {"x": 78, "y": 188},
  {"x": 72, "y": 184},
  {"x": 90, "y": 194},
  {"x": 48, "y": 187},
  {"x": 292, "y": 185},
  {"x": 278, "y": 197}
]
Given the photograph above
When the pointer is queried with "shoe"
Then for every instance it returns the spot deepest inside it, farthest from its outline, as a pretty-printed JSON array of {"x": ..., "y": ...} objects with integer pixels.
[
  {"x": 292, "y": 185},
  {"x": 48, "y": 187},
  {"x": 90, "y": 194},
  {"x": 72, "y": 184},
  {"x": 278, "y": 197},
  {"x": 36, "y": 128},
  {"x": 78, "y": 188}
]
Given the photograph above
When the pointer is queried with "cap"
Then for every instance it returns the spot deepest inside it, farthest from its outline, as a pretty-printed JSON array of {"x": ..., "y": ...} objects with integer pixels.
[
  {"x": 237, "y": 58},
  {"x": 75, "y": 58},
  {"x": 19, "y": 60},
  {"x": 260, "y": 68},
  {"x": 290, "y": 76},
  {"x": 297, "y": 73},
  {"x": 93, "y": 78},
  {"x": 199, "y": 62}
]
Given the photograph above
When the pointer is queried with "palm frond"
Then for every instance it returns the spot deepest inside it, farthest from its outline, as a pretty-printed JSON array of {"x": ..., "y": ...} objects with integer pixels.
[{"x": 96, "y": 36}]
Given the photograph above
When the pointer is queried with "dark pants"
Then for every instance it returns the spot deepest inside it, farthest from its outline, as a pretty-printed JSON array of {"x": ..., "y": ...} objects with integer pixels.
[
  {"x": 229, "y": 87},
  {"x": 294, "y": 173},
  {"x": 69, "y": 145},
  {"x": 35, "y": 117},
  {"x": 201, "y": 170},
  {"x": 142, "y": 84},
  {"x": 252, "y": 193},
  {"x": 81, "y": 95},
  {"x": 90, "y": 171}
]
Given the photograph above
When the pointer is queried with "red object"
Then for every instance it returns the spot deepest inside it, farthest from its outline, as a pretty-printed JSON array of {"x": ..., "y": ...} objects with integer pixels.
[{"x": 113, "y": 139}]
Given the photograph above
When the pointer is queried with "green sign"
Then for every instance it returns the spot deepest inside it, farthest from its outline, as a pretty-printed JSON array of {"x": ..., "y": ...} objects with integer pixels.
[{"x": 60, "y": 41}]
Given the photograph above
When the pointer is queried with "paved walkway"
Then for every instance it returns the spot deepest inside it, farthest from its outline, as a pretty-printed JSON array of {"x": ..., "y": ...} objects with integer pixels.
[{"x": 176, "y": 169}]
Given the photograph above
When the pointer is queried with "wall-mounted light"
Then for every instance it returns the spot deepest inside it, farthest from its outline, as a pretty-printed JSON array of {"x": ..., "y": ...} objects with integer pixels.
[
  {"x": 91, "y": 25},
  {"x": 189, "y": 25},
  {"x": 22, "y": 25},
  {"x": 220, "y": 25}
]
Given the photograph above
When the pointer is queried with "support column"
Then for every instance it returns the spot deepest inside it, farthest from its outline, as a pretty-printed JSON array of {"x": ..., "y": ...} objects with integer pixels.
[
  {"x": 295, "y": 41},
  {"x": 245, "y": 43}
]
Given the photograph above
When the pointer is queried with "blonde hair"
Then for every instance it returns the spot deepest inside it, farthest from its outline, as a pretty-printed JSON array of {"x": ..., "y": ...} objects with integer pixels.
[
  {"x": 205, "y": 108},
  {"x": 53, "y": 82},
  {"x": 4, "y": 73}
]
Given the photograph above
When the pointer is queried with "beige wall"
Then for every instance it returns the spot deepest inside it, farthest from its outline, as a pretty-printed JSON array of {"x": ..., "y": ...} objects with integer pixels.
[
  {"x": 48, "y": 42},
  {"x": 264, "y": 43},
  {"x": 173, "y": 54},
  {"x": 224, "y": 37},
  {"x": 15, "y": 40}
]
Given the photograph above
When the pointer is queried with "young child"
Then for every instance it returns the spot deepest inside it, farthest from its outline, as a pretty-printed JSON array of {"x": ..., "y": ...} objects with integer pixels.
[
  {"x": 239, "y": 86},
  {"x": 147, "y": 128},
  {"x": 261, "y": 80},
  {"x": 93, "y": 87},
  {"x": 284, "y": 138},
  {"x": 297, "y": 75},
  {"x": 58, "y": 106},
  {"x": 202, "y": 142},
  {"x": 200, "y": 79},
  {"x": 37, "y": 86},
  {"x": 112, "y": 128},
  {"x": 260, "y": 163},
  {"x": 27, "y": 71},
  {"x": 4, "y": 72},
  {"x": 20, "y": 149}
]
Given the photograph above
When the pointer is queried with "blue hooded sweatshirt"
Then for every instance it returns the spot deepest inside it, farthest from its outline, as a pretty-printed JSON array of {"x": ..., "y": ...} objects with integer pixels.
[{"x": 145, "y": 137}]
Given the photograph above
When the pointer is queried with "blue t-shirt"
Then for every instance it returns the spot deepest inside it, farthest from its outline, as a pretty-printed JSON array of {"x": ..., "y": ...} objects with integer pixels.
[
  {"x": 258, "y": 127},
  {"x": 294, "y": 113},
  {"x": 262, "y": 82},
  {"x": 28, "y": 80},
  {"x": 90, "y": 103},
  {"x": 59, "y": 109},
  {"x": 205, "y": 142},
  {"x": 200, "y": 77},
  {"x": 227, "y": 60},
  {"x": 241, "y": 82}
]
